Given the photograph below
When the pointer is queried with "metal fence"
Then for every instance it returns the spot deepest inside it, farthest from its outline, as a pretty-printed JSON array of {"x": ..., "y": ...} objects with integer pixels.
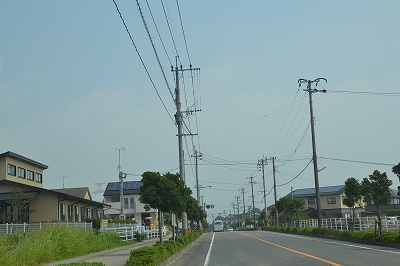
[
  {"x": 361, "y": 223},
  {"x": 25, "y": 227},
  {"x": 130, "y": 231}
]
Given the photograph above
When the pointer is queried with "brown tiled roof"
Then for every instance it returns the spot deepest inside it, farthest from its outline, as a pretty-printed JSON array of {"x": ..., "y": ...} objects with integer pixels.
[{"x": 80, "y": 192}]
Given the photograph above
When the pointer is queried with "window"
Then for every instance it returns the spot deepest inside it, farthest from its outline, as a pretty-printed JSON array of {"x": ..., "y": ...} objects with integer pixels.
[
  {"x": 38, "y": 178},
  {"x": 70, "y": 209},
  {"x": 11, "y": 169},
  {"x": 30, "y": 175},
  {"x": 126, "y": 205},
  {"x": 62, "y": 212},
  {"x": 76, "y": 214},
  {"x": 311, "y": 201},
  {"x": 21, "y": 172},
  {"x": 82, "y": 214},
  {"x": 331, "y": 200},
  {"x": 132, "y": 203},
  {"x": 112, "y": 199},
  {"x": 94, "y": 213},
  {"x": 88, "y": 213}
]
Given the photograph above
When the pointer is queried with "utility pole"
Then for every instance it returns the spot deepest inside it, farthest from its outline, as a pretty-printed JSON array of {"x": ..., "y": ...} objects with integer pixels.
[
  {"x": 121, "y": 183},
  {"x": 252, "y": 196},
  {"x": 237, "y": 201},
  {"x": 310, "y": 92},
  {"x": 276, "y": 209},
  {"x": 244, "y": 207},
  {"x": 179, "y": 122},
  {"x": 261, "y": 163},
  {"x": 196, "y": 156}
]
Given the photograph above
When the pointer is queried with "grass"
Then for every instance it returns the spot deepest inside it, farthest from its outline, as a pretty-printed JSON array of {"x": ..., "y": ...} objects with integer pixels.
[{"x": 53, "y": 244}]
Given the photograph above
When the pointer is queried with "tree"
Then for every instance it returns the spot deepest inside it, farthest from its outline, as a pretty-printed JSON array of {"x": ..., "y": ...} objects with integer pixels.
[
  {"x": 161, "y": 192},
  {"x": 377, "y": 189},
  {"x": 353, "y": 193},
  {"x": 289, "y": 207},
  {"x": 396, "y": 171},
  {"x": 19, "y": 207}
]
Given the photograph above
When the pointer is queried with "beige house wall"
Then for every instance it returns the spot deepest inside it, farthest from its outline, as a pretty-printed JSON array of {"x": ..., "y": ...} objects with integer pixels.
[{"x": 4, "y": 161}]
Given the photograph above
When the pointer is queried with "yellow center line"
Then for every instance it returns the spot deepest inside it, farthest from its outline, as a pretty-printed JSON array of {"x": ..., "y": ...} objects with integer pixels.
[{"x": 295, "y": 251}]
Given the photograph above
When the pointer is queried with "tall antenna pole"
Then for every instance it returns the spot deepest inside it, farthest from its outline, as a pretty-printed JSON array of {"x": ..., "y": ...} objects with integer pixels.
[
  {"x": 310, "y": 92},
  {"x": 121, "y": 183}
]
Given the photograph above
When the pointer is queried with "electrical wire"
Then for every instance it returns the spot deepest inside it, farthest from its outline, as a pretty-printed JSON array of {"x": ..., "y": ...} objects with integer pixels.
[
  {"x": 354, "y": 161},
  {"x": 154, "y": 49},
  {"x": 395, "y": 94},
  {"x": 141, "y": 60}
]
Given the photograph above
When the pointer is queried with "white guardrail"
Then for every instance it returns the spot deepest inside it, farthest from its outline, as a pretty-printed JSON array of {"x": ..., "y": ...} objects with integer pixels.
[
  {"x": 25, "y": 227},
  {"x": 361, "y": 223},
  {"x": 129, "y": 231}
]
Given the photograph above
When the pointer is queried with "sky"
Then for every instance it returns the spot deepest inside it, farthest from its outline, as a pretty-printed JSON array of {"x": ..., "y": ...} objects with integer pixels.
[{"x": 76, "y": 86}]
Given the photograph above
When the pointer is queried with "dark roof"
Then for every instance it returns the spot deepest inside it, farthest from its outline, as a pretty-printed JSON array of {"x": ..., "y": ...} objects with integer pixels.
[
  {"x": 130, "y": 188},
  {"x": 37, "y": 189},
  {"x": 310, "y": 192},
  {"x": 10, "y": 196},
  {"x": 23, "y": 159},
  {"x": 79, "y": 192}
]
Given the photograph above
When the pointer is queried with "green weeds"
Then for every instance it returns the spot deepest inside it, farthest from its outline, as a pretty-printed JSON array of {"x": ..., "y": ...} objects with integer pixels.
[{"x": 53, "y": 244}]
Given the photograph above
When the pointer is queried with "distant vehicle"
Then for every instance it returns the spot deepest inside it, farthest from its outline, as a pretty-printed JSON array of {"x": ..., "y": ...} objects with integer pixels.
[
  {"x": 230, "y": 229},
  {"x": 390, "y": 220},
  {"x": 218, "y": 226}
]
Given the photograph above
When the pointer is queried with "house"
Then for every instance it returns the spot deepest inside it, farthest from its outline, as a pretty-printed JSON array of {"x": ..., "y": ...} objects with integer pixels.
[
  {"x": 331, "y": 200},
  {"x": 394, "y": 203},
  {"x": 132, "y": 207},
  {"x": 23, "y": 176}
]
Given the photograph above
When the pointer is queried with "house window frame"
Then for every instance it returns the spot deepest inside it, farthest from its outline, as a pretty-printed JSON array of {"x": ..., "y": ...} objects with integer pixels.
[
  {"x": 132, "y": 203},
  {"x": 311, "y": 201},
  {"x": 62, "y": 212},
  {"x": 39, "y": 178},
  {"x": 126, "y": 203},
  {"x": 331, "y": 200},
  {"x": 76, "y": 210},
  {"x": 30, "y": 176},
  {"x": 21, "y": 172},
  {"x": 11, "y": 169}
]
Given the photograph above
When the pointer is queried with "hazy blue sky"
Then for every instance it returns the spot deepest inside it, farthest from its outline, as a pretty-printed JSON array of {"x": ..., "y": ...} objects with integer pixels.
[{"x": 72, "y": 87}]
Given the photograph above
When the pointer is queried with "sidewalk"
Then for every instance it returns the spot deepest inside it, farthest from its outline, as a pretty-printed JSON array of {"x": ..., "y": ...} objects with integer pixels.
[{"x": 112, "y": 257}]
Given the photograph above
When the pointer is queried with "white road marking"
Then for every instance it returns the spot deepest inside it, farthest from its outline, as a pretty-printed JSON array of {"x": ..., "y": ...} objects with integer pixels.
[
  {"x": 338, "y": 243},
  {"x": 209, "y": 251}
]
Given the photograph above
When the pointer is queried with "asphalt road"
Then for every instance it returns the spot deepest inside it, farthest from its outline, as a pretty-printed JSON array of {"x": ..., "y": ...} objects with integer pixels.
[{"x": 270, "y": 248}]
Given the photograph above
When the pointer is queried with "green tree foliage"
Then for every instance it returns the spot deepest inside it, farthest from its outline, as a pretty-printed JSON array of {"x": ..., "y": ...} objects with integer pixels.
[
  {"x": 194, "y": 211},
  {"x": 353, "y": 198},
  {"x": 19, "y": 211},
  {"x": 396, "y": 171},
  {"x": 167, "y": 193},
  {"x": 289, "y": 207},
  {"x": 377, "y": 188}
]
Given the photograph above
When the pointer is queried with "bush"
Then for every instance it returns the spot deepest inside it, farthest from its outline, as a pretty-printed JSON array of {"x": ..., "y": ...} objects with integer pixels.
[{"x": 158, "y": 253}]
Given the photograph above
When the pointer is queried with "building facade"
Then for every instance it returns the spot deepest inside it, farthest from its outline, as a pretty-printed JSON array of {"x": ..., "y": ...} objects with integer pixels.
[
  {"x": 132, "y": 207},
  {"x": 21, "y": 181},
  {"x": 331, "y": 200}
]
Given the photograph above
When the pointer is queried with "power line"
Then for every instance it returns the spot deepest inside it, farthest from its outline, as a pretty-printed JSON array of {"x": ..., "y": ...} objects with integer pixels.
[
  {"x": 141, "y": 60},
  {"x": 183, "y": 32},
  {"x": 158, "y": 32},
  {"x": 154, "y": 48},
  {"x": 354, "y": 161},
  {"x": 170, "y": 31},
  {"x": 367, "y": 93}
]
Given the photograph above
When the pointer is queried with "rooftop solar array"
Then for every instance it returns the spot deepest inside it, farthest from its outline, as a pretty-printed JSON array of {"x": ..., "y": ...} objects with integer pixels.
[
  {"x": 322, "y": 190},
  {"x": 128, "y": 185}
]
